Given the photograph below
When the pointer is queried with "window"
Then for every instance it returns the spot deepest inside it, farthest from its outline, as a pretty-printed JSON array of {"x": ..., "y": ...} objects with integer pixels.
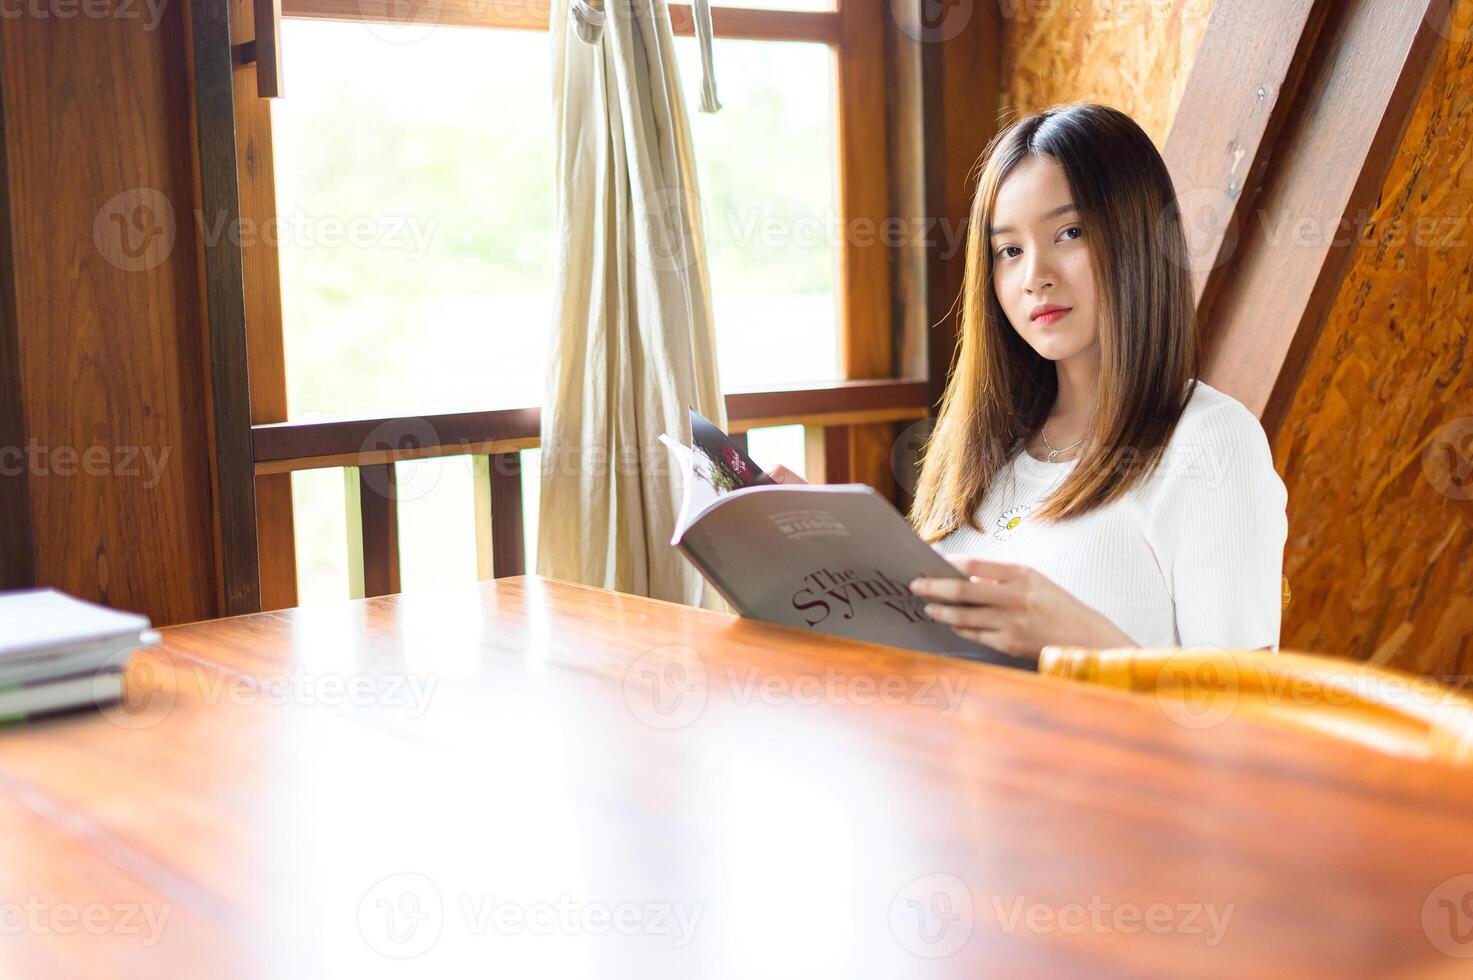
[
  {"x": 769, "y": 196},
  {"x": 436, "y": 151},
  {"x": 414, "y": 188}
]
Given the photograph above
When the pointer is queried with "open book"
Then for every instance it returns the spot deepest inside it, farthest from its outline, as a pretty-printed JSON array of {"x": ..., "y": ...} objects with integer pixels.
[{"x": 831, "y": 559}]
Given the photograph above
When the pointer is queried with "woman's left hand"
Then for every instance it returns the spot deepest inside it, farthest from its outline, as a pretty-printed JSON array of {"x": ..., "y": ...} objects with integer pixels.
[{"x": 1014, "y": 609}]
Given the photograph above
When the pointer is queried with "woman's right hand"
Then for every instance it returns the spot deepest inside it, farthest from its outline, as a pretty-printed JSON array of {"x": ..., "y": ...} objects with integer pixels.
[{"x": 782, "y": 474}]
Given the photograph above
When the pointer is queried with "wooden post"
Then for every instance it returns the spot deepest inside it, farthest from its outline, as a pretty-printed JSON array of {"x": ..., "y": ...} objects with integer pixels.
[
  {"x": 499, "y": 546},
  {"x": 230, "y": 401},
  {"x": 373, "y": 530},
  {"x": 826, "y": 453}
]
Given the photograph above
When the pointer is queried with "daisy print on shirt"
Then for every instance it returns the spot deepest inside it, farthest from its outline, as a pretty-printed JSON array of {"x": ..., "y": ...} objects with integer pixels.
[
  {"x": 1011, "y": 520},
  {"x": 1008, "y": 522}
]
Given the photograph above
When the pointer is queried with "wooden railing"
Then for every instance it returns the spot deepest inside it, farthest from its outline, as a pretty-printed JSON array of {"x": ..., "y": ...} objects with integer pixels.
[{"x": 367, "y": 449}]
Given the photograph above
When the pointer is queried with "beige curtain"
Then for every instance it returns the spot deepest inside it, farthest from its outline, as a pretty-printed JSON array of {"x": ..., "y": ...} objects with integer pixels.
[{"x": 633, "y": 341}]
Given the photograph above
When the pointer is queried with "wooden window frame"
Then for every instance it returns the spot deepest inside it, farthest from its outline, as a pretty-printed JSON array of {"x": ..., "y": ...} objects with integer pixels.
[{"x": 851, "y": 422}]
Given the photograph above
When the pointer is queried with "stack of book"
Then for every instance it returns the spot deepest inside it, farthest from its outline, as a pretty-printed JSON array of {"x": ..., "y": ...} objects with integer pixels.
[{"x": 60, "y": 654}]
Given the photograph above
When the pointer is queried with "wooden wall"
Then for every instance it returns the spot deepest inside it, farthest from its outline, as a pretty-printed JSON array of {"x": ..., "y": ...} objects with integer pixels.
[
  {"x": 1377, "y": 450},
  {"x": 1378, "y": 446},
  {"x": 103, "y": 311},
  {"x": 1130, "y": 54}
]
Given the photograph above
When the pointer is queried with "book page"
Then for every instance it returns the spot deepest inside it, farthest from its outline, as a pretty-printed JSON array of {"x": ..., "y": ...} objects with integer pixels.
[
  {"x": 719, "y": 459},
  {"x": 714, "y": 465},
  {"x": 699, "y": 492}
]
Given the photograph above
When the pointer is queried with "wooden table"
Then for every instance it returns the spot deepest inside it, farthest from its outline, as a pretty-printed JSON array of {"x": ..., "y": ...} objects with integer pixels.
[{"x": 528, "y": 779}]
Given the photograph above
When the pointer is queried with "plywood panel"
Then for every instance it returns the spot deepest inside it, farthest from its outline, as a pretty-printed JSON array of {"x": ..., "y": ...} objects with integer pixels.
[
  {"x": 1377, "y": 446},
  {"x": 107, "y": 302},
  {"x": 1129, "y": 54}
]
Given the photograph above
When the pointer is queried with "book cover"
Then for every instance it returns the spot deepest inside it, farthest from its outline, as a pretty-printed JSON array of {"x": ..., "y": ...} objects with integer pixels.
[
  {"x": 39, "y": 622},
  {"x": 828, "y": 559}
]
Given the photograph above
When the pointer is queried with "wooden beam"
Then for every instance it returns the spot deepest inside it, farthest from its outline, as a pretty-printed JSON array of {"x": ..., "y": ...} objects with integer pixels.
[
  {"x": 285, "y": 467},
  {"x": 826, "y": 453},
  {"x": 373, "y": 530},
  {"x": 230, "y": 402},
  {"x": 485, "y": 530},
  {"x": 365, "y": 457},
  {"x": 266, "y": 48},
  {"x": 867, "y": 345},
  {"x": 279, "y": 447},
  {"x": 865, "y": 342},
  {"x": 400, "y": 438},
  {"x": 906, "y": 161},
  {"x": 261, "y": 272},
  {"x": 532, "y": 15},
  {"x": 1330, "y": 162},
  {"x": 858, "y": 419},
  {"x": 960, "y": 69},
  {"x": 1238, "y": 95},
  {"x": 846, "y": 396},
  {"x": 500, "y": 548},
  {"x": 17, "y": 540}
]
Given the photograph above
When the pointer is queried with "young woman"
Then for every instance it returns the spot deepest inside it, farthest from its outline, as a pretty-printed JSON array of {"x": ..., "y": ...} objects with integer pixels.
[{"x": 1093, "y": 491}]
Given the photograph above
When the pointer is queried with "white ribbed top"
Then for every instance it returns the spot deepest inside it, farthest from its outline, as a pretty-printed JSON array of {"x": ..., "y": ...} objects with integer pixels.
[{"x": 1193, "y": 556}]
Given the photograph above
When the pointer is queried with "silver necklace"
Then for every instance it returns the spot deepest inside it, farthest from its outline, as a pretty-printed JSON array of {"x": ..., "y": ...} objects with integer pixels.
[{"x": 1052, "y": 452}]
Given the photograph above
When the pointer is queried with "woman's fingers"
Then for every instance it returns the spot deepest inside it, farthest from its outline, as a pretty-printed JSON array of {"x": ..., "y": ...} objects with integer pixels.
[
  {"x": 1001, "y": 643},
  {"x": 985, "y": 607},
  {"x": 965, "y": 617},
  {"x": 999, "y": 571},
  {"x": 960, "y": 590}
]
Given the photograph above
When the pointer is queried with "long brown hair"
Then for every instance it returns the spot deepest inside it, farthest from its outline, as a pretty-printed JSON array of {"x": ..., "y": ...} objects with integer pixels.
[{"x": 1001, "y": 389}]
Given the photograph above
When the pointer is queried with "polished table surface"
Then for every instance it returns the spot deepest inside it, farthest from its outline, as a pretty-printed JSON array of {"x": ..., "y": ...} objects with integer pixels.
[{"x": 523, "y": 778}]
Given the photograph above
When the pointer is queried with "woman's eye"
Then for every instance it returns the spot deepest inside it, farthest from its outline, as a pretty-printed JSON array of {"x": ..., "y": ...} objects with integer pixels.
[
  {"x": 1007, "y": 250},
  {"x": 1073, "y": 231}
]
